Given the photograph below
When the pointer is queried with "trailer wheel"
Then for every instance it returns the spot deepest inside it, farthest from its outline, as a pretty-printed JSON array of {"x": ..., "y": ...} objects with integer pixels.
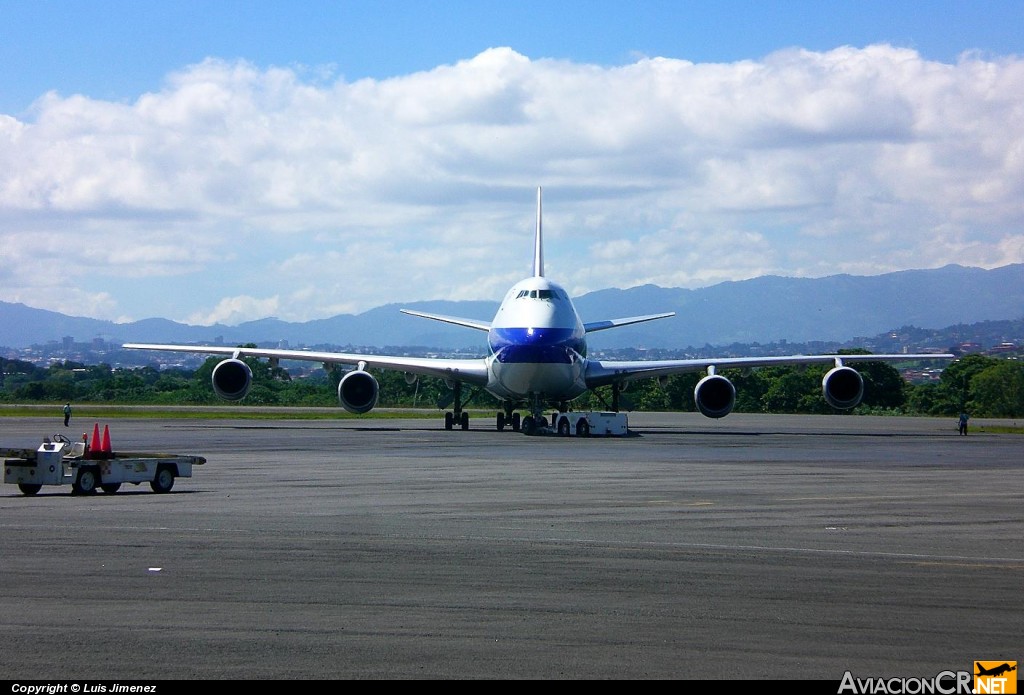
[
  {"x": 111, "y": 488},
  {"x": 164, "y": 480},
  {"x": 563, "y": 427},
  {"x": 582, "y": 428},
  {"x": 86, "y": 483},
  {"x": 29, "y": 488}
]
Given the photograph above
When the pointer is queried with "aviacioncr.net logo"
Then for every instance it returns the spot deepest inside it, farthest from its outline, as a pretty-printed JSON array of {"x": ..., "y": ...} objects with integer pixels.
[
  {"x": 944, "y": 683},
  {"x": 995, "y": 677}
]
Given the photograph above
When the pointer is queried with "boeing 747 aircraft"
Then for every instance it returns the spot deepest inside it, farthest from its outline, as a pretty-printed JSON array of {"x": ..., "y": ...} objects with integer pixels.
[{"x": 538, "y": 359}]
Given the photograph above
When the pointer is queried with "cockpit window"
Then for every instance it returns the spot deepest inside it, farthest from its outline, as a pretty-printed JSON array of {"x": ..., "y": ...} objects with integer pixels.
[{"x": 542, "y": 294}]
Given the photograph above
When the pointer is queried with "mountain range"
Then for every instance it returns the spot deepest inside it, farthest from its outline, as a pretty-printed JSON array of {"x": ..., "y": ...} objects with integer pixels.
[{"x": 764, "y": 309}]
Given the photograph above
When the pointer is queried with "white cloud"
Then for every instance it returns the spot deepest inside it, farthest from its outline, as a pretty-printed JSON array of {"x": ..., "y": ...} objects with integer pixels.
[
  {"x": 262, "y": 193},
  {"x": 233, "y": 310}
]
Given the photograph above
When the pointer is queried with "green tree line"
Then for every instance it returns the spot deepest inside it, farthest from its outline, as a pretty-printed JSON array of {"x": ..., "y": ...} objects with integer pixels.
[{"x": 983, "y": 386}]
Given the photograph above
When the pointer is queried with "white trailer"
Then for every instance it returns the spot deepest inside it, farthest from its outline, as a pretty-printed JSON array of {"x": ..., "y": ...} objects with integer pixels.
[
  {"x": 590, "y": 424},
  {"x": 60, "y": 462}
]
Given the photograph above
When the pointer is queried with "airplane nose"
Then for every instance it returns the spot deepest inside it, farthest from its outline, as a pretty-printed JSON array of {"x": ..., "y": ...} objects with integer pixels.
[{"x": 539, "y": 345}]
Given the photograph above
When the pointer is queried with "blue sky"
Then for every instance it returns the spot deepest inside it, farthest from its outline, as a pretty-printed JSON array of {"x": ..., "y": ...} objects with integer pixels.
[
  {"x": 231, "y": 160},
  {"x": 118, "y": 49}
]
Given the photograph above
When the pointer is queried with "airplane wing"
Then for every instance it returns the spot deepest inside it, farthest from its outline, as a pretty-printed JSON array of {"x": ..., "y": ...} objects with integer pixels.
[
  {"x": 615, "y": 323},
  {"x": 604, "y": 372},
  {"x": 467, "y": 323},
  {"x": 471, "y": 371}
]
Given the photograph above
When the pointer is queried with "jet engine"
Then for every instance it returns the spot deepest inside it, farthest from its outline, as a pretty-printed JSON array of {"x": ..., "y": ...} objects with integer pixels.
[
  {"x": 715, "y": 396},
  {"x": 842, "y": 387},
  {"x": 232, "y": 379},
  {"x": 357, "y": 392}
]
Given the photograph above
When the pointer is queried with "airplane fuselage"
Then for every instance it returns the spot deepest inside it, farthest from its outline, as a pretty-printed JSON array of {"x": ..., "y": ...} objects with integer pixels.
[{"x": 538, "y": 344}]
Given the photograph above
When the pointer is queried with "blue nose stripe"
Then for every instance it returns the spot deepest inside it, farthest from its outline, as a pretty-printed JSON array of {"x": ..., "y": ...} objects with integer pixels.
[{"x": 535, "y": 345}]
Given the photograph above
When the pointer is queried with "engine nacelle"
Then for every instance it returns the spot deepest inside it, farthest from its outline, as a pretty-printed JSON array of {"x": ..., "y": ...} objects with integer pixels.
[
  {"x": 232, "y": 379},
  {"x": 357, "y": 392},
  {"x": 715, "y": 396},
  {"x": 842, "y": 387}
]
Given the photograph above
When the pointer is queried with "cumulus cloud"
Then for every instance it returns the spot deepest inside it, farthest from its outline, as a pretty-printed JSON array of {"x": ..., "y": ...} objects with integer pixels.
[
  {"x": 233, "y": 310},
  {"x": 258, "y": 192}
]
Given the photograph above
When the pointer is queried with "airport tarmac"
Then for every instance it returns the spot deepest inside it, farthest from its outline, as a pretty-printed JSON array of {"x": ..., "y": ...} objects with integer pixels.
[{"x": 759, "y": 547}]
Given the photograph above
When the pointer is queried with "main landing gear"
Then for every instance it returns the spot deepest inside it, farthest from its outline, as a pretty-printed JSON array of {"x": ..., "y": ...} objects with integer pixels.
[
  {"x": 457, "y": 417},
  {"x": 507, "y": 418},
  {"x": 460, "y": 418},
  {"x": 529, "y": 424}
]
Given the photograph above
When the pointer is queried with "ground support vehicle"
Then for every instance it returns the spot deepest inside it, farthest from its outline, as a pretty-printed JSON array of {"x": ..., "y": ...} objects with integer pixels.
[
  {"x": 589, "y": 424},
  {"x": 59, "y": 462}
]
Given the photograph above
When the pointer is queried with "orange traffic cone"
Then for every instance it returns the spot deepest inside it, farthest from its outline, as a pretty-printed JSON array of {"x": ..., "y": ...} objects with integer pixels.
[
  {"x": 106, "y": 440},
  {"x": 95, "y": 447}
]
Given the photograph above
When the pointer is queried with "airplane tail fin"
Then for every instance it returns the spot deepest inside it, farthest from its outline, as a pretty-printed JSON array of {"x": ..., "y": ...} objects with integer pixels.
[{"x": 538, "y": 244}]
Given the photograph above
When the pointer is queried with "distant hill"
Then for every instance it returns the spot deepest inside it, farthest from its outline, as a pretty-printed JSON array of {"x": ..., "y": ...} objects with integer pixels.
[{"x": 765, "y": 309}]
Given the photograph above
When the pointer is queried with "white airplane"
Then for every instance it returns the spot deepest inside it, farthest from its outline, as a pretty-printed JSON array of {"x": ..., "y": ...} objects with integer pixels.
[{"x": 538, "y": 357}]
